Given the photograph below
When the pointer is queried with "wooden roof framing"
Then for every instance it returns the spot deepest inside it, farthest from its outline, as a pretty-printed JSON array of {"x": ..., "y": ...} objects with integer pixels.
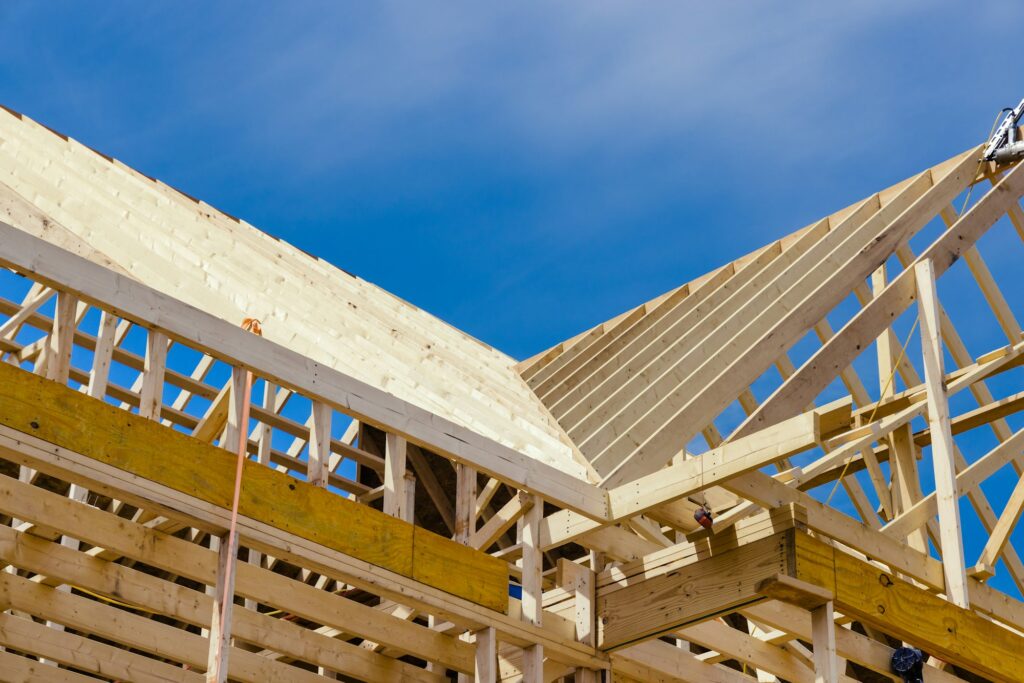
[{"x": 571, "y": 473}]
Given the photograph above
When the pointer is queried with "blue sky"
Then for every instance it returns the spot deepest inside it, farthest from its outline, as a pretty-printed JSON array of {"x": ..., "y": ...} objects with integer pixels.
[{"x": 525, "y": 171}]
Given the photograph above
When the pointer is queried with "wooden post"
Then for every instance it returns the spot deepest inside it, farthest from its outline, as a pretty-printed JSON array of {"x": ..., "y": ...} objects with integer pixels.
[
  {"x": 319, "y": 444},
  {"x": 823, "y": 630},
  {"x": 485, "y": 665},
  {"x": 409, "y": 508},
  {"x": 102, "y": 356},
  {"x": 62, "y": 337},
  {"x": 264, "y": 442},
  {"x": 220, "y": 624},
  {"x": 886, "y": 341},
  {"x": 59, "y": 346},
  {"x": 533, "y": 587},
  {"x": 580, "y": 580},
  {"x": 395, "y": 499},
  {"x": 904, "y": 486},
  {"x": 946, "y": 494},
  {"x": 151, "y": 392},
  {"x": 264, "y": 432},
  {"x": 465, "y": 503}
]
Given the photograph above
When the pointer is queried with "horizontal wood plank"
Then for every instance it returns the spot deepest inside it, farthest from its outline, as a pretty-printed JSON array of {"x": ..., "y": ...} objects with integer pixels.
[{"x": 64, "y": 417}]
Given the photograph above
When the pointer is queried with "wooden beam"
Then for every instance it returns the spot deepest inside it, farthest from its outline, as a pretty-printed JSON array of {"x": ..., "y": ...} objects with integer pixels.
[
  {"x": 84, "y": 654},
  {"x": 654, "y": 660},
  {"x": 180, "y": 557},
  {"x": 138, "y": 632},
  {"x": 501, "y": 521},
  {"x": 223, "y": 594},
  {"x": 117, "y": 438},
  {"x": 946, "y": 493},
  {"x": 692, "y": 592},
  {"x": 135, "y": 301},
  {"x": 736, "y": 355},
  {"x": 753, "y": 652},
  {"x": 102, "y": 356},
  {"x": 191, "y": 607},
  {"x": 875, "y": 316},
  {"x": 886, "y": 601},
  {"x": 25, "y": 669},
  {"x": 580, "y": 394},
  {"x": 36, "y": 297},
  {"x": 437, "y": 493},
  {"x": 395, "y": 498},
  {"x": 533, "y": 562},
  {"x": 688, "y": 477},
  {"x": 853, "y": 646},
  {"x": 439, "y": 564},
  {"x": 770, "y": 493}
]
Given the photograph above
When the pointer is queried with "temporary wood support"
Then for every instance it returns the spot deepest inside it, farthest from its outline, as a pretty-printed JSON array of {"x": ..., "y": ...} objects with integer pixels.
[
  {"x": 946, "y": 493},
  {"x": 223, "y": 601}
]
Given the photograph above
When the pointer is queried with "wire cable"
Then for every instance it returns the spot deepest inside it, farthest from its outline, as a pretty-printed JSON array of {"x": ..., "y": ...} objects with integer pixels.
[
  {"x": 981, "y": 162},
  {"x": 874, "y": 411}
]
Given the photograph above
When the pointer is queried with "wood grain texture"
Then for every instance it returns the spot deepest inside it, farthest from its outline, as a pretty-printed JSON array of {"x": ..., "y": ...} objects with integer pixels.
[
  {"x": 897, "y": 607},
  {"x": 64, "y": 417},
  {"x": 691, "y": 593}
]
